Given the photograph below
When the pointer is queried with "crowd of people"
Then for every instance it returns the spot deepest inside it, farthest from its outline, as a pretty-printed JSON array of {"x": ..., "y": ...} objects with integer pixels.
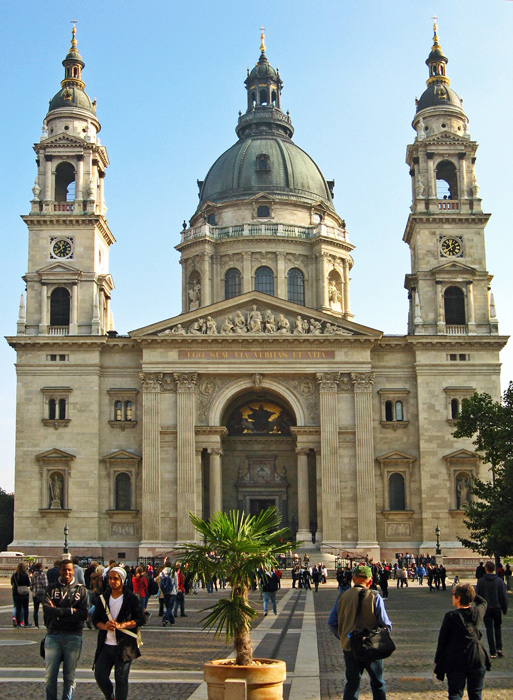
[{"x": 114, "y": 600}]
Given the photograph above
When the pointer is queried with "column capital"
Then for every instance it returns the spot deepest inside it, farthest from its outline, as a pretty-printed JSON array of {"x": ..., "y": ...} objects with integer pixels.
[
  {"x": 362, "y": 381},
  {"x": 185, "y": 381},
  {"x": 151, "y": 381},
  {"x": 328, "y": 381},
  {"x": 215, "y": 451},
  {"x": 302, "y": 451}
]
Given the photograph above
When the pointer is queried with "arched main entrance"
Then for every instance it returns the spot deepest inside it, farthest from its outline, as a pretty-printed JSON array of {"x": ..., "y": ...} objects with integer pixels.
[{"x": 258, "y": 464}]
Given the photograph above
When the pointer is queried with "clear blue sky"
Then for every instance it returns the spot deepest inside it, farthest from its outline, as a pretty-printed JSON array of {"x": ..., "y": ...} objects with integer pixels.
[{"x": 168, "y": 78}]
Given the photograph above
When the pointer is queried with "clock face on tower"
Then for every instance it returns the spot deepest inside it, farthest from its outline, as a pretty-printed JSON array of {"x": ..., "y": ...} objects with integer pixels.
[
  {"x": 451, "y": 247},
  {"x": 61, "y": 248}
]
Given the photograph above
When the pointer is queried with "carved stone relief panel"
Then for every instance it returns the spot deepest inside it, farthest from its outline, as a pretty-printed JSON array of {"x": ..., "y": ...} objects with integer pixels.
[
  {"x": 208, "y": 389},
  {"x": 306, "y": 389}
]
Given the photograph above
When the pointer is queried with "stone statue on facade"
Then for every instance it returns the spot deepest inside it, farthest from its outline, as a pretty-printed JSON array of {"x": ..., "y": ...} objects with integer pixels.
[
  {"x": 211, "y": 326},
  {"x": 55, "y": 484},
  {"x": 269, "y": 322},
  {"x": 255, "y": 320},
  {"x": 463, "y": 491},
  {"x": 239, "y": 324},
  {"x": 194, "y": 296},
  {"x": 227, "y": 327},
  {"x": 421, "y": 130},
  {"x": 298, "y": 326},
  {"x": 334, "y": 296},
  {"x": 283, "y": 325}
]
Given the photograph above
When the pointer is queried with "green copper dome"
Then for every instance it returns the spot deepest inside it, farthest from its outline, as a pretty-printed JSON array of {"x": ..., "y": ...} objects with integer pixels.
[
  {"x": 71, "y": 96},
  {"x": 265, "y": 159},
  {"x": 438, "y": 93}
]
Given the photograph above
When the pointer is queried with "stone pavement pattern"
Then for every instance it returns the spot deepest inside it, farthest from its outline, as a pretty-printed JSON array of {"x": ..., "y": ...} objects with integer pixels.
[{"x": 170, "y": 666}]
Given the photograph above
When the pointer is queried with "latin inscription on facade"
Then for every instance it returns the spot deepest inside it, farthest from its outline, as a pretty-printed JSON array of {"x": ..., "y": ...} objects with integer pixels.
[{"x": 256, "y": 354}]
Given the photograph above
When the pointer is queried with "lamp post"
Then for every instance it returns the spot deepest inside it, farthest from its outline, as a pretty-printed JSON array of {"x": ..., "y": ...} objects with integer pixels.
[
  {"x": 66, "y": 532},
  {"x": 437, "y": 533}
]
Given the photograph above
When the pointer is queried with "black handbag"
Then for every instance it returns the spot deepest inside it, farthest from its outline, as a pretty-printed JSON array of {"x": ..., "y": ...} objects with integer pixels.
[
  {"x": 370, "y": 645},
  {"x": 42, "y": 648}
]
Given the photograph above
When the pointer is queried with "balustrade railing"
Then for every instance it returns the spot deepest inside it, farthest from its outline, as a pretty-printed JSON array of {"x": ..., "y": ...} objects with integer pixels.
[
  {"x": 456, "y": 330},
  {"x": 264, "y": 229}
]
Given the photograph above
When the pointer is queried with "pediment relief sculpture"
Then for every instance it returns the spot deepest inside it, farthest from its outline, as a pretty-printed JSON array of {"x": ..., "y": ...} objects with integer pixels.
[{"x": 256, "y": 321}]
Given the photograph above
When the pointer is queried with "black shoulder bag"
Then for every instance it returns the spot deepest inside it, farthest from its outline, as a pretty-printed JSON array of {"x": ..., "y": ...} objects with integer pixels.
[{"x": 370, "y": 645}]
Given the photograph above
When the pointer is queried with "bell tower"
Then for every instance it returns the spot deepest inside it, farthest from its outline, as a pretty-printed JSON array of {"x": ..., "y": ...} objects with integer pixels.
[
  {"x": 68, "y": 284},
  {"x": 449, "y": 286}
]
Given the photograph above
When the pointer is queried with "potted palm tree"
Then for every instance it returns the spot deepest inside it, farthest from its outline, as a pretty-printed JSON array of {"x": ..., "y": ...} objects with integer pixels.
[{"x": 235, "y": 546}]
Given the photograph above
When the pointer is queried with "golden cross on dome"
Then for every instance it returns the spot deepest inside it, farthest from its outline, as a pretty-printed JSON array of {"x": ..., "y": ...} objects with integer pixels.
[
  {"x": 262, "y": 40},
  {"x": 74, "y": 32}
]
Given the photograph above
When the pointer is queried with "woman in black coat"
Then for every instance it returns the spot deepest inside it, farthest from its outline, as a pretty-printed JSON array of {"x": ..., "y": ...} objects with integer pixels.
[
  {"x": 460, "y": 654},
  {"x": 20, "y": 582},
  {"x": 118, "y": 617}
]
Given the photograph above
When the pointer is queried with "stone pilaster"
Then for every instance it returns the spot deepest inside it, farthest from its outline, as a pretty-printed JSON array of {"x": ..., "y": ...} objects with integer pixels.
[
  {"x": 365, "y": 481},
  {"x": 303, "y": 497},
  {"x": 151, "y": 383},
  {"x": 330, "y": 481},
  {"x": 185, "y": 454},
  {"x": 216, "y": 484}
]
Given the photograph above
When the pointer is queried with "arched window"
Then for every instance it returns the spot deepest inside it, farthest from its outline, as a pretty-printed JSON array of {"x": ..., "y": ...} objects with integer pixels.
[
  {"x": 455, "y": 408},
  {"x": 264, "y": 280},
  {"x": 446, "y": 180},
  {"x": 232, "y": 283},
  {"x": 123, "y": 492},
  {"x": 398, "y": 410},
  {"x": 389, "y": 413},
  {"x": 296, "y": 286},
  {"x": 59, "y": 307},
  {"x": 396, "y": 497},
  {"x": 211, "y": 219},
  {"x": 52, "y": 409},
  {"x": 118, "y": 410},
  {"x": 129, "y": 412},
  {"x": 62, "y": 409},
  {"x": 263, "y": 97},
  {"x": 454, "y": 304},
  {"x": 64, "y": 178}
]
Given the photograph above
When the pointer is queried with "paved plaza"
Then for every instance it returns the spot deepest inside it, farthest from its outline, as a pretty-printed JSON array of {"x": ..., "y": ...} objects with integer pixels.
[{"x": 172, "y": 658}]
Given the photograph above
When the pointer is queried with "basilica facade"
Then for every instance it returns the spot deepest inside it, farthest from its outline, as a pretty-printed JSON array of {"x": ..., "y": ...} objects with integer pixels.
[{"x": 265, "y": 390}]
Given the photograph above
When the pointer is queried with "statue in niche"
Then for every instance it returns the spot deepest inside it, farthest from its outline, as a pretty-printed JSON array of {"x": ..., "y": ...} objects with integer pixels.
[
  {"x": 462, "y": 491},
  {"x": 334, "y": 296},
  {"x": 283, "y": 325},
  {"x": 419, "y": 189},
  {"x": 421, "y": 130},
  {"x": 55, "y": 484},
  {"x": 255, "y": 320},
  {"x": 269, "y": 322},
  {"x": 194, "y": 296},
  {"x": 227, "y": 326}
]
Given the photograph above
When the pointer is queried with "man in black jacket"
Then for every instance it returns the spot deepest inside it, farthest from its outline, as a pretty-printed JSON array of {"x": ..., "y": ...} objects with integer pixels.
[
  {"x": 65, "y": 610},
  {"x": 269, "y": 587},
  {"x": 493, "y": 590}
]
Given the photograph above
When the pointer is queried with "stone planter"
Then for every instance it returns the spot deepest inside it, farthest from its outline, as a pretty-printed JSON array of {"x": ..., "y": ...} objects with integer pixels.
[{"x": 264, "y": 679}]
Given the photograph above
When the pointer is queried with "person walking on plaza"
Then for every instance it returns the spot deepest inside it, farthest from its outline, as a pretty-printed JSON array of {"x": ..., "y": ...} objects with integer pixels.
[
  {"x": 459, "y": 654},
  {"x": 180, "y": 591},
  {"x": 342, "y": 620},
  {"x": 493, "y": 590},
  {"x": 269, "y": 587},
  {"x": 65, "y": 611},
  {"x": 38, "y": 585},
  {"x": 168, "y": 586},
  {"x": 118, "y": 615},
  {"x": 20, "y": 583}
]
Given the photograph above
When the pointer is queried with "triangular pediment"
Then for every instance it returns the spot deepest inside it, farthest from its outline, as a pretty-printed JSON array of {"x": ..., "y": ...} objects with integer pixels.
[
  {"x": 460, "y": 454},
  {"x": 255, "y": 314},
  {"x": 54, "y": 454},
  {"x": 65, "y": 140},
  {"x": 447, "y": 137},
  {"x": 396, "y": 456},
  {"x": 454, "y": 267},
  {"x": 121, "y": 456},
  {"x": 267, "y": 196},
  {"x": 57, "y": 268}
]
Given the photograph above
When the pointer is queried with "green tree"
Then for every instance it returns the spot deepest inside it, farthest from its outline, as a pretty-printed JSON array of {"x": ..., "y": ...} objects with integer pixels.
[
  {"x": 489, "y": 516},
  {"x": 6, "y": 519},
  {"x": 243, "y": 544}
]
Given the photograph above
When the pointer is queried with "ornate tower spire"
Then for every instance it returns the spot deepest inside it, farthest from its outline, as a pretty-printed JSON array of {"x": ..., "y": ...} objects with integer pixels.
[
  {"x": 436, "y": 61},
  {"x": 73, "y": 64}
]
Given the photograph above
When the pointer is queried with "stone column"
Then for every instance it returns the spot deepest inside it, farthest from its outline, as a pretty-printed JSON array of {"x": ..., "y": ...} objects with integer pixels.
[
  {"x": 470, "y": 308},
  {"x": 216, "y": 484},
  {"x": 365, "y": 481},
  {"x": 345, "y": 306},
  {"x": 246, "y": 272},
  {"x": 281, "y": 280},
  {"x": 330, "y": 481},
  {"x": 318, "y": 496},
  {"x": 43, "y": 323},
  {"x": 48, "y": 178},
  {"x": 431, "y": 177},
  {"x": 206, "y": 295},
  {"x": 79, "y": 179},
  {"x": 440, "y": 310},
  {"x": 463, "y": 176},
  {"x": 101, "y": 194},
  {"x": 185, "y": 454},
  {"x": 151, "y": 383},
  {"x": 73, "y": 309},
  {"x": 303, "y": 498}
]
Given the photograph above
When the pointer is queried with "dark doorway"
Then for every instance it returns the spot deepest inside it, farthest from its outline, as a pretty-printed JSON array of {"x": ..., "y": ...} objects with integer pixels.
[{"x": 257, "y": 505}]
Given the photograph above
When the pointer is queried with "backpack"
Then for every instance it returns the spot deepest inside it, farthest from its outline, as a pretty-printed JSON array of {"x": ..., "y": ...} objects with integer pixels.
[
  {"x": 153, "y": 587},
  {"x": 167, "y": 584}
]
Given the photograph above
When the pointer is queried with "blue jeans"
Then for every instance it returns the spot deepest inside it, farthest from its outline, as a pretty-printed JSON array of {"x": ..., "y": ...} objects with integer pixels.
[
  {"x": 169, "y": 601},
  {"x": 65, "y": 647},
  {"x": 102, "y": 668},
  {"x": 179, "y": 601},
  {"x": 271, "y": 595},
  {"x": 474, "y": 679},
  {"x": 354, "y": 670},
  {"x": 493, "y": 622}
]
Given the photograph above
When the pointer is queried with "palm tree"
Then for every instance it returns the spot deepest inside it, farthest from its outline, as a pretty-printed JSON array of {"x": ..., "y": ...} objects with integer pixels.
[{"x": 234, "y": 546}]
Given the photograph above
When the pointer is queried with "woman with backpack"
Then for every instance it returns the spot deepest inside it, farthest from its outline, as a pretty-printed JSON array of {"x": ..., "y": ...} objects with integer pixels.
[
  {"x": 118, "y": 615},
  {"x": 459, "y": 654},
  {"x": 20, "y": 583}
]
